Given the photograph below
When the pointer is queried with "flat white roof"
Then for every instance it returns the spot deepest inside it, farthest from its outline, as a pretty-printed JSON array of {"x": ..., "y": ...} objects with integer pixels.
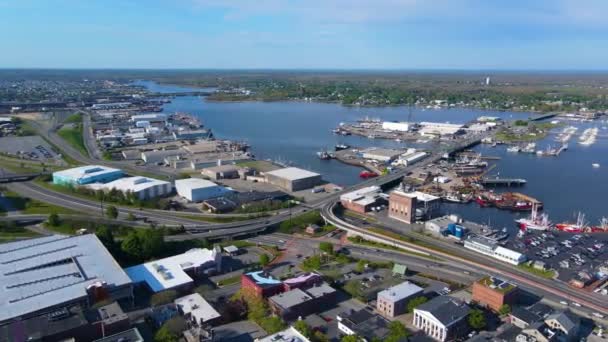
[
  {"x": 508, "y": 252},
  {"x": 288, "y": 335},
  {"x": 292, "y": 173},
  {"x": 420, "y": 196},
  {"x": 401, "y": 291},
  {"x": 441, "y": 124},
  {"x": 170, "y": 272},
  {"x": 354, "y": 195},
  {"x": 195, "y": 183},
  {"x": 85, "y": 171},
  {"x": 134, "y": 184},
  {"x": 148, "y": 117},
  {"x": 39, "y": 273},
  {"x": 198, "y": 307}
]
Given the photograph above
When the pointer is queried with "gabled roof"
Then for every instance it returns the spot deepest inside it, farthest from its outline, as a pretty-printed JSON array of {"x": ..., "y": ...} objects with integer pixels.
[
  {"x": 445, "y": 309},
  {"x": 566, "y": 319}
]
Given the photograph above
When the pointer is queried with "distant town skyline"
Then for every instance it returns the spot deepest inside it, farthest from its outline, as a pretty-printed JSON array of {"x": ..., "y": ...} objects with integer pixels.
[{"x": 313, "y": 34}]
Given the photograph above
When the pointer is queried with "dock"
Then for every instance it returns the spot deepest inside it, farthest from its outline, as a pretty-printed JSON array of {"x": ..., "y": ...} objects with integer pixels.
[
  {"x": 503, "y": 181},
  {"x": 542, "y": 117}
]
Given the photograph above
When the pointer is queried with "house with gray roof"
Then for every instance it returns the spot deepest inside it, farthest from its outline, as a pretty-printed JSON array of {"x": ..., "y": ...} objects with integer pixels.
[
  {"x": 565, "y": 322},
  {"x": 442, "y": 318}
]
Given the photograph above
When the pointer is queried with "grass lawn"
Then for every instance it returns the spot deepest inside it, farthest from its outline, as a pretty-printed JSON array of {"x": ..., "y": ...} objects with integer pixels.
[
  {"x": 236, "y": 243},
  {"x": 230, "y": 280},
  {"x": 219, "y": 219},
  {"x": 355, "y": 215},
  {"x": 73, "y": 136},
  {"x": 548, "y": 274},
  {"x": 369, "y": 243},
  {"x": 34, "y": 207},
  {"x": 74, "y": 118},
  {"x": 23, "y": 166},
  {"x": 10, "y": 236}
]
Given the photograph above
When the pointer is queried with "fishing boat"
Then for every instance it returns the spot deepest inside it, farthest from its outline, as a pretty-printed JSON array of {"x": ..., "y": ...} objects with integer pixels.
[
  {"x": 323, "y": 155},
  {"x": 602, "y": 228},
  {"x": 454, "y": 198},
  {"x": 579, "y": 227},
  {"x": 535, "y": 221},
  {"x": 340, "y": 147}
]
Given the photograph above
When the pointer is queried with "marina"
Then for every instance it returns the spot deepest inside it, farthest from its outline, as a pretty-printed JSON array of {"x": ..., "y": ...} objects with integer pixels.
[{"x": 306, "y": 128}]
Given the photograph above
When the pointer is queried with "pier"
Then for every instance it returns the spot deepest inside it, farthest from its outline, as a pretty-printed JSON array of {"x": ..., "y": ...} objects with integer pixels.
[
  {"x": 503, "y": 181},
  {"x": 542, "y": 117}
]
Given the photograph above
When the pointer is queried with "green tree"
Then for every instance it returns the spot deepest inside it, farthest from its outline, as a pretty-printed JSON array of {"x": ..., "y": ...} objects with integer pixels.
[
  {"x": 303, "y": 328},
  {"x": 105, "y": 235},
  {"x": 152, "y": 242},
  {"x": 397, "y": 332},
  {"x": 412, "y": 304},
  {"x": 163, "y": 297},
  {"x": 505, "y": 309},
  {"x": 264, "y": 259},
  {"x": 326, "y": 247},
  {"x": 111, "y": 212},
  {"x": 53, "y": 220},
  {"x": 131, "y": 246},
  {"x": 164, "y": 335},
  {"x": 318, "y": 336},
  {"x": 477, "y": 319},
  {"x": 350, "y": 338},
  {"x": 312, "y": 263},
  {"x": 360, "y": 266}
]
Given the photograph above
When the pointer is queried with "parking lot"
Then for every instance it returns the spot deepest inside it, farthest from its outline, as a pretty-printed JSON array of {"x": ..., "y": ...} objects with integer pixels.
[
  {"x": 30, "y": 147},
  {"x": 567, "y": 253}
]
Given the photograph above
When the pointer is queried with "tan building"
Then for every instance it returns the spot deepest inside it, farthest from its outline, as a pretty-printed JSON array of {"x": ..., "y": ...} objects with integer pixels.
[
  {"x": 402, "y": 206},
  {"x": 393, "y": 301},
  {"x": 221, "y": 172},
  {"x": 293, "y": 178},
  {"x": 494, "y": 292}
]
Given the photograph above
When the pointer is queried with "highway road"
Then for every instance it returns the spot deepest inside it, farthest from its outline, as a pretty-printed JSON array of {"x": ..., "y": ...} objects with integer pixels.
[
  {"x": 203, "y": 229},
  {"x": 457, "y": 254}
]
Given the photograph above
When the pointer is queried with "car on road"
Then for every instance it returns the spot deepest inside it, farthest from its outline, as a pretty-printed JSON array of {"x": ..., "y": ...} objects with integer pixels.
[
  {"x": 598, "y": 315},
  {"x": 576, "y": 304},
  {"x": 563, "y": 303},
  {"x": 281, "y": 241}
]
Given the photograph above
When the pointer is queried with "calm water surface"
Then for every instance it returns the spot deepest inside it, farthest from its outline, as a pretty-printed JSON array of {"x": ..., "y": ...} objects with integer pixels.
[{"x": 293, "y": 132}]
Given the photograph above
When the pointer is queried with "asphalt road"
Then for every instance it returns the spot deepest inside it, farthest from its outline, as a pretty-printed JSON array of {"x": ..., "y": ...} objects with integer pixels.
[{"x": 456, "y": 254}]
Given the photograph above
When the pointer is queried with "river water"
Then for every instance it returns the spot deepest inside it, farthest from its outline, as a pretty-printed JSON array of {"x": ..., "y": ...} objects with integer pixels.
[{"x": 293, "y": 132}]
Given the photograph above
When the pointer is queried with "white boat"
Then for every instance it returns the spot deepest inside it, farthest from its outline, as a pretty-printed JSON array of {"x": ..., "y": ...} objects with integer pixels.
[
  {"x": 454, "y": 198},
  {"x": 596, "y": 165},
  {"x": 514, "y": 149},
  {"x": 535, "y": 221}
]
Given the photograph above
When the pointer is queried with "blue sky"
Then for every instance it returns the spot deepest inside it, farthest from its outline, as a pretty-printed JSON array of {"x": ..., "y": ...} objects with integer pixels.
[{"x": 314, "y": 34}]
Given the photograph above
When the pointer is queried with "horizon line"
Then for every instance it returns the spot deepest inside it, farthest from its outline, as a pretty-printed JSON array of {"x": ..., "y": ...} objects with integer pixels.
[{"x": 553, "y": 70}]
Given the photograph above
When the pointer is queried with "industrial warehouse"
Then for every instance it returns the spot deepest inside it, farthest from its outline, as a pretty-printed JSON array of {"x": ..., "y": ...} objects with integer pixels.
[
  {"x": 143, "y": 188},
  {"x": 48, "y": 273},
  {"x": 293, "y": 179},
  {"x": 86, "y": 175},
  {"x": 198, "y": 190}
]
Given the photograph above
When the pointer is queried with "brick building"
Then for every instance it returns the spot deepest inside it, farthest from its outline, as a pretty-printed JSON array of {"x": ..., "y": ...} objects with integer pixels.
[
  {"x": 260, "y": 284},
  {"x": 402, "y": 206},
  {"x": 494, "y": 292}
]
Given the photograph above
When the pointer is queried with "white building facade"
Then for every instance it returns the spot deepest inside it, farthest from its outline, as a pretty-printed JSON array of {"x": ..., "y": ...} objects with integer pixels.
[{"x": 197, "y": 189}]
